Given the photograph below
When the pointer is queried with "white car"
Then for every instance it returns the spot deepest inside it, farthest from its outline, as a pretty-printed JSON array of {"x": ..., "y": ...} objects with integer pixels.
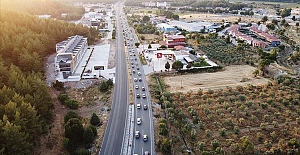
[
  {"x": 139, "y": 73},
  {"x": 137, "y": 134},
  {"x": 136, "y": 86},
  {"x": 139, "y": 121},
  {"x": 144, "y": 96},
  {"x": 138, "y": 106},
  {"x": 145, "y": 138},
  {"x": 135, "y": 79}
]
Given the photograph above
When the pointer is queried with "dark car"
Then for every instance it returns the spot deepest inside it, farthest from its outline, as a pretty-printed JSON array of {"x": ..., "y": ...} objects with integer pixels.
[
  {"x": 138, "y": 96},
  {"x": 143, "y": 88},
  {"x": 140, "y": 79}
]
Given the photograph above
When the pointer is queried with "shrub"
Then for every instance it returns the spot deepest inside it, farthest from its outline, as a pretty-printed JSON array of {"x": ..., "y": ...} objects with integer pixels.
[
  {"x": 72, "y": 104},
  {"x": 71, "y": 114},
  {"x": 103, "y": 87},
  {"x": 63, "y": 97},
  {"x": 94, "y": 119},
  {"x": 93, "y": 129},
  {"x": 88, "y": 135}
]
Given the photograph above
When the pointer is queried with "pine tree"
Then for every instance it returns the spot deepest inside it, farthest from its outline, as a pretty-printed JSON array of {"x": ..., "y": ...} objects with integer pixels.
[{"x": 95, "y": 119}]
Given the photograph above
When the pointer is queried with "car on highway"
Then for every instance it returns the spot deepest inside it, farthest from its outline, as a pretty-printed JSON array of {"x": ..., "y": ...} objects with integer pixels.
[
  {"x": 135, "y": 79},
  {"x": 138, "y": 96},
  {"x": 136, "y": 86},
  {"x": 139, "y": 73},
  {"x": 145, "y": 138},
  {"x": 143, "y": 88},
  {"x": 145, "y": 107},
  {"x": 137, "y": 134},
  {"x": 139, "y": 121},
  {"x": 140, "y": 79},
  {"x": 138, "y": 106},
  {"x": 144, "y": 95},
  {"x": 132, "y": 66},
  {"x": 138, "y": 68},
  {"x": 146, "y": 153},
  {"x": 133, "y": 71}
]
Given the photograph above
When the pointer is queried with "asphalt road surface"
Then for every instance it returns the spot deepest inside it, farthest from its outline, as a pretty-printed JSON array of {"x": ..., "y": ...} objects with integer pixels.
[{"x": 113, "y": 139}]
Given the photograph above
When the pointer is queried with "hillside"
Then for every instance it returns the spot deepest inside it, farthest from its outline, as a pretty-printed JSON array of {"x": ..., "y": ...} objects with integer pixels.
[{"x": 26, "y": 108}]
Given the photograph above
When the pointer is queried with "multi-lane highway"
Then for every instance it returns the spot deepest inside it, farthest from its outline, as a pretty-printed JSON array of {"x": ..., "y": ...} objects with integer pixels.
[
  {"x": 142, "y": 98},
  {"x": 113, "y": 139}
]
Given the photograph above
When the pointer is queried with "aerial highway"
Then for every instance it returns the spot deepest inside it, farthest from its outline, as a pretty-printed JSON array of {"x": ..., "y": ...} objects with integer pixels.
[
  {"x": 143, "y": 140},
  {"x": 113, "y": 138}
]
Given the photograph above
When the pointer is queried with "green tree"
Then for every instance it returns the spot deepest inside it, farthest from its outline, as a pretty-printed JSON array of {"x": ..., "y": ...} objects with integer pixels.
[
  {"x": 74, "y": 130},
  {"x": 72, "y": 104},
  {"x": 103, "y": 86},
  {"x": 264, "y": 19},
  {"x": 137, "y": 45},
  {"x": 88, "y": 135},
  {"x": 82, "y": 152},
  {"x": 246, "y": 145},
  {"x": 165, "y": 146},
  {"x": 93, "y": 129},
  {"x": 167, "y": 65},
  {"x": 70, "y": 115},
  {"x": 14, "y": 140},
  {"x": 63, "y": 97},
  {"x": 109, "y": 83},
  {"x": 177, "y": 65},
  {"x": 146, "y": 19},
  {"x": 175, "y": 17},
  {"x": 95, "y": 119},
  {"x": 227, "y": 39}
]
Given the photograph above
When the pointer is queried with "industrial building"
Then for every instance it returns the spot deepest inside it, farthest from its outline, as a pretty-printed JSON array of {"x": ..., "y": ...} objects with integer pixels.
[
  {"x": 194, "y": 26},
  {"x": 69, "y": 53},
  {"x": 166, "y": 28}
]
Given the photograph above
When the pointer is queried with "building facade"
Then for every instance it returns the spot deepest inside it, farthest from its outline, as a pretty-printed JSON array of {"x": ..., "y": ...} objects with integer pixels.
[{"x": 69, "y": 53}]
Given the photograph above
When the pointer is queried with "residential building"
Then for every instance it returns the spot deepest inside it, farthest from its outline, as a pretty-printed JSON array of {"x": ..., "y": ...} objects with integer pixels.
[
  {"x": 234, "y": 31},
  {"x": 268, "y": 37},
  {"x": 69, "y": 53}
]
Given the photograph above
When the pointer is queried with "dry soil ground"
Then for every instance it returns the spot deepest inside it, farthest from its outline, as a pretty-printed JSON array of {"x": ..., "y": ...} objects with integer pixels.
[
  {"x": 89, "y": 100},
  {"x": 231, "y": 76},
  {"x": 218, "y": 18}
]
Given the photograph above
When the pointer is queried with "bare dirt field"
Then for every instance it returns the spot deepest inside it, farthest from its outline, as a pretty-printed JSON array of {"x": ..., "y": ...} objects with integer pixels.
[
  {"x": 231, "y": 76},
  {"x": 217, "y": 18}
]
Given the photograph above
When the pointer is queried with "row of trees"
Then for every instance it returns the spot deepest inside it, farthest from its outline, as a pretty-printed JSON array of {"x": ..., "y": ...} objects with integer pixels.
[{"x": 26, "y": 106}]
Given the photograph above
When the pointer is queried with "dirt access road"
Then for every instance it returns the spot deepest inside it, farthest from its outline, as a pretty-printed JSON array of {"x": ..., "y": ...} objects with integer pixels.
[{"x": 231, "y": 76}]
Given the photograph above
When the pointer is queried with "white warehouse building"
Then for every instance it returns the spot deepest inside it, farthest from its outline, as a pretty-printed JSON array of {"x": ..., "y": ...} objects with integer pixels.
[
  {"x": 69, "y": 53},
  {"x": 195, "y": 26}
]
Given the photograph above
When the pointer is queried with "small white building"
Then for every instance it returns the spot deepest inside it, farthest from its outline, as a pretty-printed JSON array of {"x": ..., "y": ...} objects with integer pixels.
[{"x": 161, "y": 4}]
